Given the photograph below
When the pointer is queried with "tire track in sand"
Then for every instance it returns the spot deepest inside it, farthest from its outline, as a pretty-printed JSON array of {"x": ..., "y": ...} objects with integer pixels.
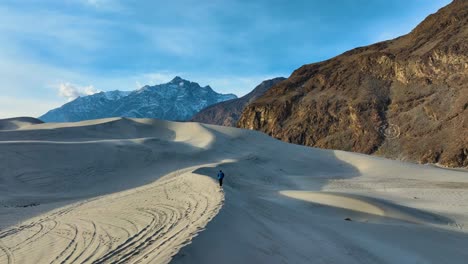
[
  {"x": 8, "y": 255},
  {"x": 146, "y": 224}
]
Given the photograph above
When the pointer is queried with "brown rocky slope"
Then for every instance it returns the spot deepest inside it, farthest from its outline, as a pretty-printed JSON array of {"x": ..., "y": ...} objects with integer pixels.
[
  {"x": 227, "y": 113},
  {"x": 405, "y": 98}
]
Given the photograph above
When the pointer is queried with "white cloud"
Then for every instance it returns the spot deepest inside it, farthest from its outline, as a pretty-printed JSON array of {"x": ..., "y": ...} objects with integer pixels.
[
  {"x": 25, "y": 73},
  {"x": 15, "y": 107},
  {"x": 108, "y": 4},
  {"x": 63, "y": 31},
  {"x": 71, "y": 91},
  {"x": 174, "y": 40},
  {"x": 138, "y": 85}
]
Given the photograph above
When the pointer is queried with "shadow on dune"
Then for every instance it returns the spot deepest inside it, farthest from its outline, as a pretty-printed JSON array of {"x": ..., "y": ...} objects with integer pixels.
[
  {"x": 107, "y": 129},
  {"x": 256, "y": 223},
  {"x": 17, "y": 122},
  {"x": 273, "y": 189},
  {"x": 55, "y": 167},
  {"x": 53, "y": 172},
  {"x": 259, "y": 225},
  {"x": 364, "y": 209}
]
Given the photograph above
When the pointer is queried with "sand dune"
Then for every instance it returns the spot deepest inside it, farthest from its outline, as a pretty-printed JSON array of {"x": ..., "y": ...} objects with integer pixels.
[
  {"x": 363, "y": 207},
  {"x": 18, "y": 123},
  {"x": 124, "y": 190},
  {"x": 149, "y": 223}
]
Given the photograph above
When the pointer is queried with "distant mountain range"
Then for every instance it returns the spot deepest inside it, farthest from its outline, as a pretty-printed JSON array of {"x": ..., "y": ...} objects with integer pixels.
[
  {"x": 405, "y": 98},
  {"x": 227, "y": 113},
  {"x": 178, "y": 99}
]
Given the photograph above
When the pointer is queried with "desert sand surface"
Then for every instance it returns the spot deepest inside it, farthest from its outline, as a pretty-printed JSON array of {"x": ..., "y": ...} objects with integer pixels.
[
  {"x": 123, "y": 190},
  {"x": 18, "y": 123}
]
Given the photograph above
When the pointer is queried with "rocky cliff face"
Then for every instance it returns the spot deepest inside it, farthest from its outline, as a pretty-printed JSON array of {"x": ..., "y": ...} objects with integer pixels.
[
  {"x": 178, "y": 100},
  {"x": 405, "y": 98},
  {"x": 227, "y": 113}
]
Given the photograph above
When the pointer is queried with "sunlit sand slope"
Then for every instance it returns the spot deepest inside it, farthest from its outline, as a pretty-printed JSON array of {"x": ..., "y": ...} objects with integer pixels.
[{"x": 124, "y": 190}]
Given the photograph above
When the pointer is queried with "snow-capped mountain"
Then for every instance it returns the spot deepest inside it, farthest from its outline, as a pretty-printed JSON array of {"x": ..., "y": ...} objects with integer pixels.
[{"x": 178, "y": 99}]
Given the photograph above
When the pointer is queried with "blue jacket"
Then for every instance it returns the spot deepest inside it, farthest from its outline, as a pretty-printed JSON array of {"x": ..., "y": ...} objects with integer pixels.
[{"x": 220, "y": 175}]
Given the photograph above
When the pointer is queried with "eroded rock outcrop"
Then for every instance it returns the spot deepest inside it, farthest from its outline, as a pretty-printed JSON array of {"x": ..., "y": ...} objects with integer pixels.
[
  {"x": 227, "y": 113},
  {"x": 405, "y": 98}
]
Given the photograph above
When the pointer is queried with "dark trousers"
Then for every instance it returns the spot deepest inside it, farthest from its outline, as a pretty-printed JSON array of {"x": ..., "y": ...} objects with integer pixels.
[{"x": 220, "y": 182}]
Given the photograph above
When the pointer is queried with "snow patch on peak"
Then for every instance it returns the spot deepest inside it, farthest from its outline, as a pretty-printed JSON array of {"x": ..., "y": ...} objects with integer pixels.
[
  {"x": 176, "y": 100},
  {"x": 116, "y": 94}
]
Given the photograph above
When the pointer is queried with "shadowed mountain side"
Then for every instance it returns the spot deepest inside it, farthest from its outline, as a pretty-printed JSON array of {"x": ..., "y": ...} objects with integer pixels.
[
  {"x": 404, "y": 98},
  {"x": 227, "y": 113}
]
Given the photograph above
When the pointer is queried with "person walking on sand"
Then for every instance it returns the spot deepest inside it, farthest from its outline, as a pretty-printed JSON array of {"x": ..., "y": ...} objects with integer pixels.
[{"x": 220, "y": 177}]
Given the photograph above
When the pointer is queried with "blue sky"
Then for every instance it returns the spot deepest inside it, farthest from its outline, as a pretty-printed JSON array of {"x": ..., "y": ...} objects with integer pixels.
[{"x": 53, "y": 51}]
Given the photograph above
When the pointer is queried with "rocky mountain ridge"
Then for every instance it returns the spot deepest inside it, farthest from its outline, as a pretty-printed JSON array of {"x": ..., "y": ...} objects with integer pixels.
[
  {"x": 178, "y": 99},
  {"x": 227, "y": 113},
  {"x": 405, "y": 98}
]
